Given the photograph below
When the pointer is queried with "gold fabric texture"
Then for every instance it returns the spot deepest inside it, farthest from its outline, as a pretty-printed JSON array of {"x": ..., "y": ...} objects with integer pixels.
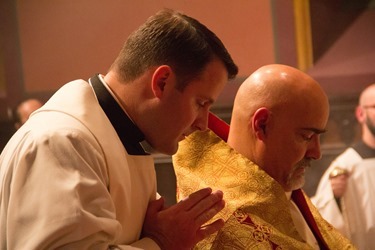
[{"x": 256, "y": 214}]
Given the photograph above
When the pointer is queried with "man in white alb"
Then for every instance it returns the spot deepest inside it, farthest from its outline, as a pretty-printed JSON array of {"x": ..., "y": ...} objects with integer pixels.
[{"x": 345, "y": 193}]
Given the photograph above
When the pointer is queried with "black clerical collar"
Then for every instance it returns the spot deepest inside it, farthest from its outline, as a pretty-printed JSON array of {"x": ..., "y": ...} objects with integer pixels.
[
  {"x": 130, "y": 135},
  {"x": 364, "y": 151}
]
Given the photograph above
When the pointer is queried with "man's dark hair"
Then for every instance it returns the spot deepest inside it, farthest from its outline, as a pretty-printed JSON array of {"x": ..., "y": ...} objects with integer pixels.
[{"x": 172, "y": 38}]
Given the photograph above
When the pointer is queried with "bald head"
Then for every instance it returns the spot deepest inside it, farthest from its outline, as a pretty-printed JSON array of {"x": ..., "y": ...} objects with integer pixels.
[
  {"x": 365, "y": 113},
  {"x": 367, "y": 97},
  {"x": 275, "y": 86},
  {"x": 24, "y": 110},
  {"x": 278, "y": 103}
]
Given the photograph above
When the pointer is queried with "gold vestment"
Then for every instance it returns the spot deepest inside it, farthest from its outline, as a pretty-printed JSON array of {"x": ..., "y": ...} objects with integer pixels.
[{"x": 257, "y": 212}]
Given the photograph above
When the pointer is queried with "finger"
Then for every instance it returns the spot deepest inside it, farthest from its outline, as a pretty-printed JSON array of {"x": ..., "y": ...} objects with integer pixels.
[
  {"x": 194, "y": 198},
  {"x": 206, "y": 230},
  {"x": 207, "y": 203},
  {"x": 210, "y": 213}
]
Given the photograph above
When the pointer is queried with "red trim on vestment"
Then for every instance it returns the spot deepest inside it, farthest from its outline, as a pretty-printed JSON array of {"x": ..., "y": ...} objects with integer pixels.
[
  {"x": 299, "y": 199},
  {"x": 218, "y": 126}
]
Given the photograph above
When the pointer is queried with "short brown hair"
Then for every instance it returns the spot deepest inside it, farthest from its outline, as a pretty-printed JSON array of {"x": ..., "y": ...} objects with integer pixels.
[{"x": 172, "y": 38}]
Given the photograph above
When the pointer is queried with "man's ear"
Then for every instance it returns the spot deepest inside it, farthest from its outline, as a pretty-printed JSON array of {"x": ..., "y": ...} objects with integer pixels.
[
  {"x": 360, "y": 114},
  {"x": 161, "y": 75},
  {"x": 260, "y": 122}
]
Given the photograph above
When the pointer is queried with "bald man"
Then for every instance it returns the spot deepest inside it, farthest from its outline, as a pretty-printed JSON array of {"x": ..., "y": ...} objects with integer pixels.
[
  {"x": 344, "y": 195},
  {"x": 278, "y": 115},
  {"x": 24, "y": 110}
]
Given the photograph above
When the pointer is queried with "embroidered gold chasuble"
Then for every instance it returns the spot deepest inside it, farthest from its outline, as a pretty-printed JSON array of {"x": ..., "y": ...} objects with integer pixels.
[{"x": 257, "y": 212}]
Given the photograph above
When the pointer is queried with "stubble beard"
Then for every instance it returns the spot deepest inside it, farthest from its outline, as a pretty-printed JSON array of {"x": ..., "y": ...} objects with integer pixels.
[
  {"x": 371, "y": 126},
  {"x": 297, "y": 180}
]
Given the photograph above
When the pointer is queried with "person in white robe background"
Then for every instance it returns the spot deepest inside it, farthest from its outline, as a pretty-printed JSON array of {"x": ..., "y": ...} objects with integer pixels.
[{"x": 344, "y": 195}]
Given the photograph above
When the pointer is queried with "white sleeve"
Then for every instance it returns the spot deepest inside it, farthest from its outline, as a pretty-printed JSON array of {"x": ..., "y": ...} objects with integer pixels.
[
  {"x": 57, "y": 195},
  {"x": 324, "y": 199}
]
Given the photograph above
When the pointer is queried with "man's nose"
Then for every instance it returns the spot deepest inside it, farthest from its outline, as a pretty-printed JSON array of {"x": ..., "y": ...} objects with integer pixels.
[
  {"x": 314, "y": 151},
  {"x": 201, "y": 123}
]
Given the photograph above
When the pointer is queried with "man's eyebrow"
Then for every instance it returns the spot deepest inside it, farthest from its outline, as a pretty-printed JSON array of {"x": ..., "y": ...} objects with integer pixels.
[
  {"x": 315, "y": 130},
  {"x": 207, "y": 99}
]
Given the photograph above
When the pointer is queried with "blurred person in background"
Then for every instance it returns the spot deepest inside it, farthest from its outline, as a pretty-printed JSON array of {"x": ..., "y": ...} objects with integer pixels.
[
  {"x": 345, "y": 194},
  {"x": 16, "y": 118},
  {"x": 23, "y": 111}
]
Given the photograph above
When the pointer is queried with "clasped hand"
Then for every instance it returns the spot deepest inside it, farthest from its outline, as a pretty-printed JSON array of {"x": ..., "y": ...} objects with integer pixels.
[{"x": 181, "y": 225}]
